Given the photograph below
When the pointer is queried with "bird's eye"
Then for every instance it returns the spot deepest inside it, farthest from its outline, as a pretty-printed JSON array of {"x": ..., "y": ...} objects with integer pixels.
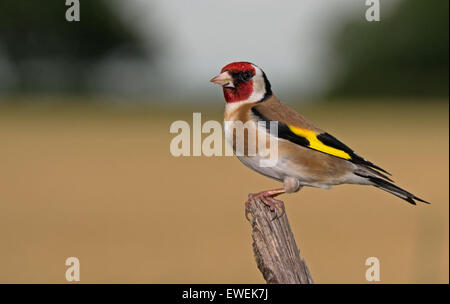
[{"x": 245, "y": 76}]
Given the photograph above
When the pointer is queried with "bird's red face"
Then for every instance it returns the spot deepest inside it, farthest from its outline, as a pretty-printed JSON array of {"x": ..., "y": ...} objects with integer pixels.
[{"x": 237, "y": 81}]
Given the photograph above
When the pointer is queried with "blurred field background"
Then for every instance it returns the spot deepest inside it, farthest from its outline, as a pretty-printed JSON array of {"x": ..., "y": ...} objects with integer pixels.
[{"x": 85, "y": 166}]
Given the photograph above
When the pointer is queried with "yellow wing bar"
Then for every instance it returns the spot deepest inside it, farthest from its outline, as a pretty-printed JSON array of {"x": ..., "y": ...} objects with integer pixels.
[{"x": 316, "y": 144}]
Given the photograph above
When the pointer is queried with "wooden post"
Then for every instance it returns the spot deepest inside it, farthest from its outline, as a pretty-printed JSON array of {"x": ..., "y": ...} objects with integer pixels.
[{"x": 276, "y": 253}]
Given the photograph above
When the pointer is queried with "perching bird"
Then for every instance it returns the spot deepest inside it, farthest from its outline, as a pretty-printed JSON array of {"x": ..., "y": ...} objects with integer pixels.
[{"x": 307, "y": 155}]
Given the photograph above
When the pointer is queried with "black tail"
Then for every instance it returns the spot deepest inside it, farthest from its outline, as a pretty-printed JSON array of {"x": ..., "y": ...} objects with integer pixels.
[{"x": 391, "y": 188}]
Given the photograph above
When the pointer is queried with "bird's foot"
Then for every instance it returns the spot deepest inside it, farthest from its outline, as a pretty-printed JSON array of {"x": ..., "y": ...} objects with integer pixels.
[{"x": 267, "y": 197}]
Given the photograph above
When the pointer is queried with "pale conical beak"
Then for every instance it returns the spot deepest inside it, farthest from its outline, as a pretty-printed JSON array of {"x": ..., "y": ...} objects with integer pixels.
[{"x": 223, "y": 79}]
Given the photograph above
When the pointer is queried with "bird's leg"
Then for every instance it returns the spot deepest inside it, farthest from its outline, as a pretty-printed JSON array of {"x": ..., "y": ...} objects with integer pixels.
[{"x": 268, "y": 198}]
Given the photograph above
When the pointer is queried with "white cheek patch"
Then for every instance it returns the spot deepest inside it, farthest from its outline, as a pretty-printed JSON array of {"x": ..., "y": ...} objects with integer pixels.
[{"x": 259, "y": 86}]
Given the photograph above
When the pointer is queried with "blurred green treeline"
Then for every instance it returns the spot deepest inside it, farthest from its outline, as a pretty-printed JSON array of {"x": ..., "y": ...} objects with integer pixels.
[
  {"x": 405, "y": 54},
  {"x": 47, "y": 53}
]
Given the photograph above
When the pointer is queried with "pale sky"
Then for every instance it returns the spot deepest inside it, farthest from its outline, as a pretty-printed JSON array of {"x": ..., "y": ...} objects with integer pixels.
[{"x": 288, "y": 39}]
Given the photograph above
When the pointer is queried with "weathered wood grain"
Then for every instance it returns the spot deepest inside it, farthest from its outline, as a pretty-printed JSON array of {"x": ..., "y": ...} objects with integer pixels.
[{"x": 275, "y": 250}]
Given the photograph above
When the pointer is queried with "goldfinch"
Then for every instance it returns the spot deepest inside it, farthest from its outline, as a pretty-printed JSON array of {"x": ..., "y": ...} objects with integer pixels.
[{"x": 307, "y": 155}]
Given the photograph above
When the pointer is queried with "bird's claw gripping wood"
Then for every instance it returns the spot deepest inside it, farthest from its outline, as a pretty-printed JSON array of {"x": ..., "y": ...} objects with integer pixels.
[{"x": 267, "y": 197}]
